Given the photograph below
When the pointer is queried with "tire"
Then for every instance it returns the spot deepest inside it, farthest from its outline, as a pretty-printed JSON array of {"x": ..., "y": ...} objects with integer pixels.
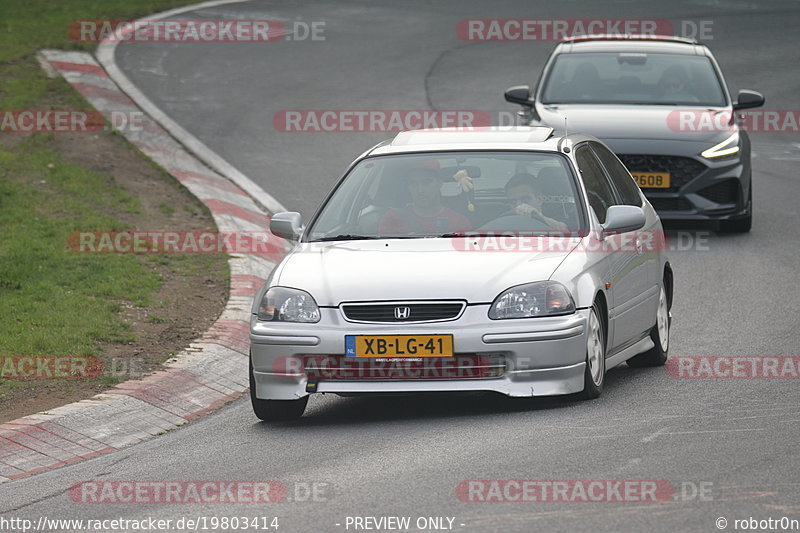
[
  {"x": 594, "y": 373},
  {"x": 743, "y": 224},
  {"x": 657, "y": 355},
  {"x": 275, "y": 410}
]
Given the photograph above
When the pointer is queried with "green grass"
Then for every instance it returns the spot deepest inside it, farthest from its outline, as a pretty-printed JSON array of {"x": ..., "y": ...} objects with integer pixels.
[
  {"x": 33, "y": 24},
  {"x": 166, "y": 208},
  {"x": 156, "y": 319},
  {"x": 29, "y": 25},
  {"x": 55, "y": 301},
  {"x": 110, "y": 381}
]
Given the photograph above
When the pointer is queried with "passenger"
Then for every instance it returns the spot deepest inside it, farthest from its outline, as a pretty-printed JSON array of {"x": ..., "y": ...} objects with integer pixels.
[
  {"x": 425, "y": 214},
  {"x": 526, "y": 199}
]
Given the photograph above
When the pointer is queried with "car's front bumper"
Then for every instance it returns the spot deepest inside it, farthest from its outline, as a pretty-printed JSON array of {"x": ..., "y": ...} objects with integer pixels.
[
  {"x": 718, "y": 193},
  {"x": 714, "y": 190},
  {"x": 541, "y": 356}
]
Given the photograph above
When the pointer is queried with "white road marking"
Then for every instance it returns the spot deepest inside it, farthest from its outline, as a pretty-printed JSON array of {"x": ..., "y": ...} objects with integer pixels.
[
  {"x": 105, "y": 56},
  {"x": 636, "y": 461},
  {"x": 652, "y": 437}
]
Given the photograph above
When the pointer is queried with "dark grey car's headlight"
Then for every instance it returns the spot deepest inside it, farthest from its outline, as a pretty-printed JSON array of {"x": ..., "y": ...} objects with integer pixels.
[
  {"x": 543, "y": 298},
  {"x": 727, "y": 148},
  {"x": 284, "y": 304}
]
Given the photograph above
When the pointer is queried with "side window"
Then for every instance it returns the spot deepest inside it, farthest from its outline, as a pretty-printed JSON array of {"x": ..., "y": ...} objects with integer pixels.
[
  {"x": 620, "y": 176},
  {"x": 598, "y": 189}
]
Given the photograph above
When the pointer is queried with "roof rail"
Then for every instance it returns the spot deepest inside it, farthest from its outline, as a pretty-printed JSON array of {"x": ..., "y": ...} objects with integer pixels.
[{"x": 629, "y": 37}]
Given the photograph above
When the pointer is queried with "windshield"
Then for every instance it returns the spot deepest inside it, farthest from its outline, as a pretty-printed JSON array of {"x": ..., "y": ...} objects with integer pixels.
[
  {"x": 449, "y": 194},
  {"x": 633, "y": 78}
]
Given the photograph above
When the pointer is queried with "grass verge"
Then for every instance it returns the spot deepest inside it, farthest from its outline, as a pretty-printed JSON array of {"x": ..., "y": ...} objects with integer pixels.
[{"x": 53, "y": 301}]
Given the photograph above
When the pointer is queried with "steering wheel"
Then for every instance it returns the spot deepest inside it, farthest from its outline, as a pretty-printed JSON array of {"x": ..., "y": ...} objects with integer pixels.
[{"x": 533, "y": 215}]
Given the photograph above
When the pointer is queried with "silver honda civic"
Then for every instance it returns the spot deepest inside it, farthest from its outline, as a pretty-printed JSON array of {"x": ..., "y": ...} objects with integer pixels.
[{"x": 513, "y": 260}]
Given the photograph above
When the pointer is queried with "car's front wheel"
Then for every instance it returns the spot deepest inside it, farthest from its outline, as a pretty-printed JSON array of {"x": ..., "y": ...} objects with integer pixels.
[
  {"x": 657, "y": 355},
  {"x": 275, "y": 410},
  {"x": 594, "y": 374}
]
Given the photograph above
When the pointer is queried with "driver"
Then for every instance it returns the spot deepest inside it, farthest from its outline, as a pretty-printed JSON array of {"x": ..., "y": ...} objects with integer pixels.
[
  {"x": 674, "y": 83},
  {"x": 526, "y": 199},
  {"x": 425, "y": 214}
]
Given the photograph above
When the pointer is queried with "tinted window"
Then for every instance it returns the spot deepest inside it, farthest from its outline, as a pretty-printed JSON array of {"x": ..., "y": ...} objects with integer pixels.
[
  {"x": 598, "y": 189},
  {"x": 620, "y": 177},
  {"x": 633, "y": 78}
]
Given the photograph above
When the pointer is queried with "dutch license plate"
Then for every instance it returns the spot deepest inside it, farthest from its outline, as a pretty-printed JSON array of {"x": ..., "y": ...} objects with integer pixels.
[
  {"x": 398, "y": 345},
  {"x": 652, "y": 180}
]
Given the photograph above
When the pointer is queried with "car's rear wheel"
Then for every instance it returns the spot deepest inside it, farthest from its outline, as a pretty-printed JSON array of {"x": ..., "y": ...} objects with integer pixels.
[
  {"x": 594, "y": 373},
  {"x": 743, "y": 224},
  {"x": 275, "y": 410},
  {"x": 657, "y": 355}
]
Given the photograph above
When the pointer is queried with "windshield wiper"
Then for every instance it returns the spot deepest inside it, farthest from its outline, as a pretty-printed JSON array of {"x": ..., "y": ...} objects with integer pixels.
[{"x": 345, "y": 237}]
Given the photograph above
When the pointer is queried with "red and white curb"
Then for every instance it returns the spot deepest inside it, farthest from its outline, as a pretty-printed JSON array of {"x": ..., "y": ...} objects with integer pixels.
[
  {"x": 209, "y": 373},
  {"x": 105, "y": 55}
]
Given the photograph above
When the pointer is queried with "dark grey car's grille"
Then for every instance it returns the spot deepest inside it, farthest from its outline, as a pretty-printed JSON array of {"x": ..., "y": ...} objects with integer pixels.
[
  {"x": 725, "y": 192},
  {"x": 682, "y": 170},
  {"x": 416, "y": 312}
]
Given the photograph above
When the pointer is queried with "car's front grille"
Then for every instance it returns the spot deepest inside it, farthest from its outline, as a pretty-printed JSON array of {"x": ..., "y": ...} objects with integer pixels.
[
  {"x": 681, "y": 170},
  {"x": 671, "y": 204},
  {"x": 724, "y": 192},
  {"x": 400, "y": 312}
]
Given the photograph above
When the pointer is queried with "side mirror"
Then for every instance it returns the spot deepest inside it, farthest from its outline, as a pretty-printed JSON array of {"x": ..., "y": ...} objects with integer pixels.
[
  {"x": 286, "y": 225},
  {"x": 747, "y": 99},
  {"x": 520, "y": 94},
  {"x": 622, "y": 218}
]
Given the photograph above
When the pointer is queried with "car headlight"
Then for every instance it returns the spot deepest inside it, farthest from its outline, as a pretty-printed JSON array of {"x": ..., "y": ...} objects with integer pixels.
[
  {"x": 543, "y": 298},
  {"x": 283, "y": 304},
  {"x": 728, "y": 147}
]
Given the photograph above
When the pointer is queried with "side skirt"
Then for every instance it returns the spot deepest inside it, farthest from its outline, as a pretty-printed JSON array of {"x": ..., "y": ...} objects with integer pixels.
[{"x": 635, "y": 349}]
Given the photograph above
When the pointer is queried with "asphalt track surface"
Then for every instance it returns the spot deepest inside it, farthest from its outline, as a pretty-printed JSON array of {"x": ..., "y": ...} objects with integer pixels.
[{"x": 405, "y": 456}]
